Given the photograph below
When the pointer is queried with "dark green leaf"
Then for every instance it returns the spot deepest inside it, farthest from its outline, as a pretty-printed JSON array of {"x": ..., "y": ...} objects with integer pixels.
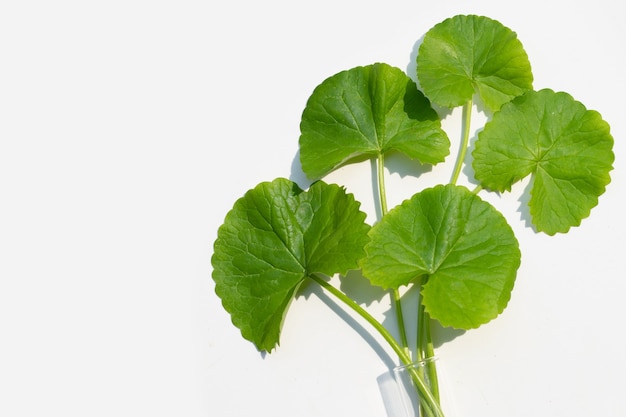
[
  {"x": 464, "y": 55},
  {"x": 461, "y": 244},
  {"x": 368, "y": 111},
  {"x": 566, "y": 147},
  {"x": 272, "y": 239}
]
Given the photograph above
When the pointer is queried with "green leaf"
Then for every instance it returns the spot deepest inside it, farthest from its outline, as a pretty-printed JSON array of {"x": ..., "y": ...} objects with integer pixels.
[
  {"x": 461, "y": 244},
  {"x": 272, "y": 239},
  {"x": 567, "y": 149},
  {"x": 368, "y": 111},
  {"x": 464, "y": 55}
]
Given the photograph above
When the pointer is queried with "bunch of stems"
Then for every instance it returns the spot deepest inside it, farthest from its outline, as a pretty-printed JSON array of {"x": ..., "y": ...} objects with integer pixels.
[{"x": 424, "y": 375}]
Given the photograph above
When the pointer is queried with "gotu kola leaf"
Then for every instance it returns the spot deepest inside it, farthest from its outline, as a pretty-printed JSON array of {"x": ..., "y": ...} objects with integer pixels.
[
  {"x": 459, "y": 244},
  {"x": 464, "y": 55},
  {"x": 367, "y": 111},
  {"x": 566, "y": 148},
  {"x": 272, "y": 240}
]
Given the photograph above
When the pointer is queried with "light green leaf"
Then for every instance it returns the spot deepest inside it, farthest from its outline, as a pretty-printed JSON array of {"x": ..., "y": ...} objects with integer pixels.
[
  {"x": 273, "y": 238},
  {"x": 464, "y": 55},
  {"x": 368, "y": 111},
  {"x": 461, "y": 244},
  {"x": 566, "y": 147}
]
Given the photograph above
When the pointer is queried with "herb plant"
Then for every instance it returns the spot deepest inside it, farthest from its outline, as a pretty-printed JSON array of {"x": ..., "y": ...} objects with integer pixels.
[{"x": 455, "y": 247}]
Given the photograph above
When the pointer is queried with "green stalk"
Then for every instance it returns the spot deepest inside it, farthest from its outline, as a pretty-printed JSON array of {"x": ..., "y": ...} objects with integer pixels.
[
  {"x": 421, "y": 355},
  {"x": 382, "y": 196},
  {"x": 429, "y": 352},
  {"x": 380, "y": 177},
  {"x": 427, "y": 399},
  {"x": 467, "y": 117},
  {"x": 425, "y": 348},
  {"x": 401, "y": 326},
  {"x": 419, "y": 334},
  {"x": 425, "y": 345}
]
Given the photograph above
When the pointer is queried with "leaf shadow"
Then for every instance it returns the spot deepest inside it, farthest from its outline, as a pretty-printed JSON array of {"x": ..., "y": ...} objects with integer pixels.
[
  {"x": 524, "y": 207},
  {"x": 367, "y": 335},
  {"x": 359, "y": 288},
  {"x": 411, "y": 70},
  {"x": 442, "y": 335},
  {"x": 354, "y": 285},
  {"x": 398, "y": 163},
  {"x": 297, "y": 175}
]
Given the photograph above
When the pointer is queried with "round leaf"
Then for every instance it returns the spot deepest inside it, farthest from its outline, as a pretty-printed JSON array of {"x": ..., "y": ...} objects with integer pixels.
[
  {"x": 368, "y": 111},
  {"x": 272, "y": 239},
  {"x": 460, "y": 243},
  {"x": 566, "y": 147},
  {"x": 464, "y": 55}
]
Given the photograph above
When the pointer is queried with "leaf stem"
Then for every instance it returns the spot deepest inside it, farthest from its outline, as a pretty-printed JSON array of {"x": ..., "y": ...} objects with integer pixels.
[
  {"x": 401, "y": 326},
  {"x": 429, "y": 352},
  {"x": 382, "y": 196},
  {"x": 467, "y": 117},
  {"x": 427, "y": 399},
  {"x": 425, "y": 347},
  {"x": 478, "y": 189},
  {"x": 419, "y": 334},
  {"x": 380, "y": 178}
]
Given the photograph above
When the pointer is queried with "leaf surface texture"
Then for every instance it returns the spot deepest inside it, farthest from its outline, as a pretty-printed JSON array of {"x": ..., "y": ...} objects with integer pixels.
[
  {"x": 461, "y": 244},
  {"x": 467, "y": 55},
  {"x": 272, "y": 240},
  {"x": 366, "y": 111},
  {"x": 566, "y": 148}
]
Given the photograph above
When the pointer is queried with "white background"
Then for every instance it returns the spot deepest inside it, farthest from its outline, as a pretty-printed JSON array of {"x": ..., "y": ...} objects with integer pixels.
[{"x": 129, "y": 128}]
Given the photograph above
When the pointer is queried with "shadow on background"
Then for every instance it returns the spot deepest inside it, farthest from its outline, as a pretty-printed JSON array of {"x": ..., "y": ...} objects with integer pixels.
[{"x": 367, "y": 334}]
